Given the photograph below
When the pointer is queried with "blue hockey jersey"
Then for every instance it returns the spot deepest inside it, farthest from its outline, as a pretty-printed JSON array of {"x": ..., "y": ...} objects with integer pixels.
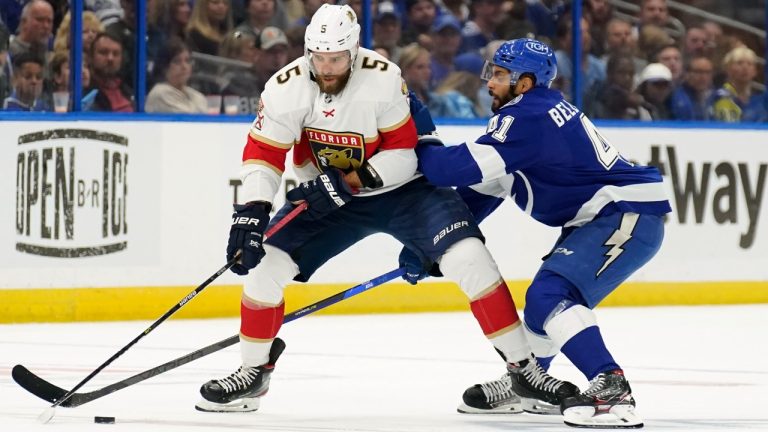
[{"x": 553, "y": 162}]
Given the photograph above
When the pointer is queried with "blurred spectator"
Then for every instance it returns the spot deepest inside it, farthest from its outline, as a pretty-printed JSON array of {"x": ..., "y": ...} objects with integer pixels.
[
  {"x": 515, "y": 25},
  {"x": 5, "y": 71},
  {"x": 310, "y": 7},
  {"x": 242, "y": 81},
  {"x": 173, "y": 67},
  {"x": 736, "y": 101},
  {"x": 10, "y": 14},
  {"x": 106, "y": 56},
  {"x": 593, "y": 69},
  {"x": 446, "y": 39},
  {"x": 91, "y": 27},
  {"x": 690, "y": 99},
  {"x": 414, "y": 67},
  {"x": 273, "y": 56},
  {"x": 602, "y": 14},
  {"x": 124, "y": 30},
  {"x": 473, "y": 64},
  {"x": 211, "y": 20},
  {"x": 454, "y": 94},
  {"x": 108, "y": 11},
  {"x": 714, "y": 34},
  {"x": 166, "y": 19},
  {"x": 26, "y": 94},
  {"x": 615, "y": 99},
  {"x": 35, "y": 30},
  {"x": 618, "y": 38},
  {"x": 295, "y": 37},
  {"x": 545, "y": 14},
  {"x": 387, "y": 28},
  {"x": 696, "y": 43},
  {"x": 486, "y": 15},
  {"x": 671, "y": 57},
  {"x": 421, "y": 15},
  {"x": 259, "y": 13},
  {"x": 457, "y": 8},
  {"x": 653, "y": 12},
  {"x": 59, "y": 73},
  {"x": 655, "y": 88},
  {"x": 651, "y": 40}
]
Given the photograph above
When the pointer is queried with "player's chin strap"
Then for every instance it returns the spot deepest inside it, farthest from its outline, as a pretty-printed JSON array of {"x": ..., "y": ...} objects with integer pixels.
[{"x": 369, "y": 178}]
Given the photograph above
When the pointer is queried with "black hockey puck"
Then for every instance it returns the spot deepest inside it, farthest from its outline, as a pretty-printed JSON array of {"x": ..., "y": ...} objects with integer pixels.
[{"x": 105, "y": 420}]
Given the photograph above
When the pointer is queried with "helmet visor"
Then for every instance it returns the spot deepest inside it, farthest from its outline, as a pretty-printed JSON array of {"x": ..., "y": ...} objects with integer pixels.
[
  {"x": 335, "y": 63},
  {"x": 499, "y": 75}
]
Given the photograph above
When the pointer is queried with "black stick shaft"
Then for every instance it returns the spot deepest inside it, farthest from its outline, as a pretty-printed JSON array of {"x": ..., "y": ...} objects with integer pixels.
[{"x": 178, "y": 306}]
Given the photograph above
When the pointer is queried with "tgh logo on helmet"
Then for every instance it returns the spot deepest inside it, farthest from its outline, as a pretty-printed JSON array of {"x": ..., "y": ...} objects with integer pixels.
[{"x": 537, "y": 46}]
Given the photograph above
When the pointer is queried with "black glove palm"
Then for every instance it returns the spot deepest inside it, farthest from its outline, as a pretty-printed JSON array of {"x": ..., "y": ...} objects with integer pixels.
[
  {"x": 323, "y": 194},
  {"x": 247, "y": 235}
]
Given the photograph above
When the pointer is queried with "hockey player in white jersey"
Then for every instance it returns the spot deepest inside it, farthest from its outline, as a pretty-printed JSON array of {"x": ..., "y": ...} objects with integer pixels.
[
  {"x": 557, "y": 167},
  {"x": 343, "y": 110}
]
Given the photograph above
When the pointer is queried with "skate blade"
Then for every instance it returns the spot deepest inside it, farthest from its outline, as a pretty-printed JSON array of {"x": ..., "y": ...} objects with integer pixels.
[
  {"x": 535, "y": 406},
  {"x": 617, "y": 417},
  {"x": 513, "y": 408},
  {"x": 240, "y": 405}
]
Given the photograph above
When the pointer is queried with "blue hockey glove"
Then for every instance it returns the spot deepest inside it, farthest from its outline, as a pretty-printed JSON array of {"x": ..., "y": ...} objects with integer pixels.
[
  {"x": 420, "y": 115},
  {"x": 247, "y": 234},
  {"x": 415, "y": 270},
  {"x": 324, "y": 194}
]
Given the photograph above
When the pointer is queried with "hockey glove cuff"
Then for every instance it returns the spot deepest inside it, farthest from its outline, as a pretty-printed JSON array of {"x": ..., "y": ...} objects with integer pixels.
[
  {"x": 246, "y": 234},
  {"x": 323, "y": 194}
]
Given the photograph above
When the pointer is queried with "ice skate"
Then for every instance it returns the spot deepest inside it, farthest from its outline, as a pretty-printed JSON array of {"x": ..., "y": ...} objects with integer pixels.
[
  {"x": 529, "y": 380},
  {"x": 492, "y": 397},
  {"x": 607, "y": 404},
  {"x": 241, "y": 391}
]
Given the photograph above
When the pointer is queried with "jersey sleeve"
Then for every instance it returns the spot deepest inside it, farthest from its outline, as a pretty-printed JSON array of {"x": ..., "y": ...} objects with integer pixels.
[
  {"x": 272, "y": 134},
  {"x": 395, "y": 161},
  {"x": 482, "y": 199},
  {"x": 505, "y": 148}
]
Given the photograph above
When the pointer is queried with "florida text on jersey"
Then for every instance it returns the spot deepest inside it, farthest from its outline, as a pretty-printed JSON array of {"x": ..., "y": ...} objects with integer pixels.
[{"x": 369, "y": 120}]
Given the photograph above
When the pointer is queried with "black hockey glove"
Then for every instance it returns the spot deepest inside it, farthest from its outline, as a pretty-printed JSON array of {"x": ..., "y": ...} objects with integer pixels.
[
  {"x": 247, "y": 235},
  {"x": 324, "y": 194},
  {"x": 415, "y": 270}
]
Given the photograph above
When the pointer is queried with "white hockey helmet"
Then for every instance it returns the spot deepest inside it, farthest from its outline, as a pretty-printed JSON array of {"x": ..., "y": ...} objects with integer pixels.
[{"x": 333, "y": 28}]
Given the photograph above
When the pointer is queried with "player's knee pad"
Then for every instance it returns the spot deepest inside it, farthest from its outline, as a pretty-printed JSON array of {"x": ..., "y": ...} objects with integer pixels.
[
  {"x": 541, "y": 344},
  {"x": 566, "y": 321},
  {"x": 547, "y": 292},
  {"x": 265, "y": 283},
  {"x": 469, "y": 264}
]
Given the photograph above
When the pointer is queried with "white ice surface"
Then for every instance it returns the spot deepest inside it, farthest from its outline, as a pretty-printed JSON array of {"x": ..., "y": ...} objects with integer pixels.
[{"x": 691, "y": 369}]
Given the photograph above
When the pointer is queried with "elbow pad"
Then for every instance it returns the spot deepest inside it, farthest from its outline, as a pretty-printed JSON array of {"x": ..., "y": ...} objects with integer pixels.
[{"x": 369, "y": 178}]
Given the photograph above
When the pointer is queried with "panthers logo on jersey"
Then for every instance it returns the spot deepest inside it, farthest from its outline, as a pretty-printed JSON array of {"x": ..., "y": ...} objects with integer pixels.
[{"x": 342, "y": 150}]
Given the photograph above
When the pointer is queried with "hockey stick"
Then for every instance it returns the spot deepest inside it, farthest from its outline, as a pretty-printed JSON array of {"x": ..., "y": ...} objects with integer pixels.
[
  {"x": 51, "y": 393},
  {"x": 48, "y": 414}
]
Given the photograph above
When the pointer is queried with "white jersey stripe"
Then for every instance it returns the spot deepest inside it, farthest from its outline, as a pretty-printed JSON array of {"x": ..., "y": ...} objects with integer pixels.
[
  {"x": 641, "y": 192},
  {"x": 490, "y": 162}
]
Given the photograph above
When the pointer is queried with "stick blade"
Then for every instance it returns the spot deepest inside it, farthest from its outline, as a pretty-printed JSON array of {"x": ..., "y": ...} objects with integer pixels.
[{"x": 38, "y": 386}]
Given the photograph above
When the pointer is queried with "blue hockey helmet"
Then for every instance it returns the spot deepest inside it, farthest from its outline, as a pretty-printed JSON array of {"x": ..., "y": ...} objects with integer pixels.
[{"x": 521, "y": 56}]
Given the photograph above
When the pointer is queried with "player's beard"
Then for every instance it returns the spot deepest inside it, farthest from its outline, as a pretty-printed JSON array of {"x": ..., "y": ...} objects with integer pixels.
[
  {"x": 337, "y": 86},
  {"x": 498, "y": 102}
]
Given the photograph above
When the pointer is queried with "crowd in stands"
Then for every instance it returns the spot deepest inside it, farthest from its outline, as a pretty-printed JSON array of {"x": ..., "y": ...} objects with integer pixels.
[{"x": 646, "y": 66}]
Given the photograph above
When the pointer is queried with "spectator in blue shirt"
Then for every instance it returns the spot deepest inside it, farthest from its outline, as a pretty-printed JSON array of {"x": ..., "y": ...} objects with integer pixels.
[
  {"x": 483, "y": 27},
  {"x": 446, "y": 40},
  {"x": 689, "y": 100},
  {"x": 592, "y": 68},
  {"x": 27, "y": 84},
  {"x": 736, "y": 101}
]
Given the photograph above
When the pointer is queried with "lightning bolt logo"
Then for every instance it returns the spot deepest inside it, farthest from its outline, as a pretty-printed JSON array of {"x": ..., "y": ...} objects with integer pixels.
[{"x": 618, "y": 238}]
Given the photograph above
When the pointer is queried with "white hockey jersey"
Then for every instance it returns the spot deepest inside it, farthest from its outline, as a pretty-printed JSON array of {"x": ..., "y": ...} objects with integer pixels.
[{"x": 369, "y": 120}]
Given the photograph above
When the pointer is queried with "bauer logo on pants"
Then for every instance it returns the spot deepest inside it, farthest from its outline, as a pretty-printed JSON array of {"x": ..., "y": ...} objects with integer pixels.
[{"x": 71, "y": 193}]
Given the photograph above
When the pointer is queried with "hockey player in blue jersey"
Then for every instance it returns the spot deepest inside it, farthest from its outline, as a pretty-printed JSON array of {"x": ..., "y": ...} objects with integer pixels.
[{"x": 556, "y": 166}]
